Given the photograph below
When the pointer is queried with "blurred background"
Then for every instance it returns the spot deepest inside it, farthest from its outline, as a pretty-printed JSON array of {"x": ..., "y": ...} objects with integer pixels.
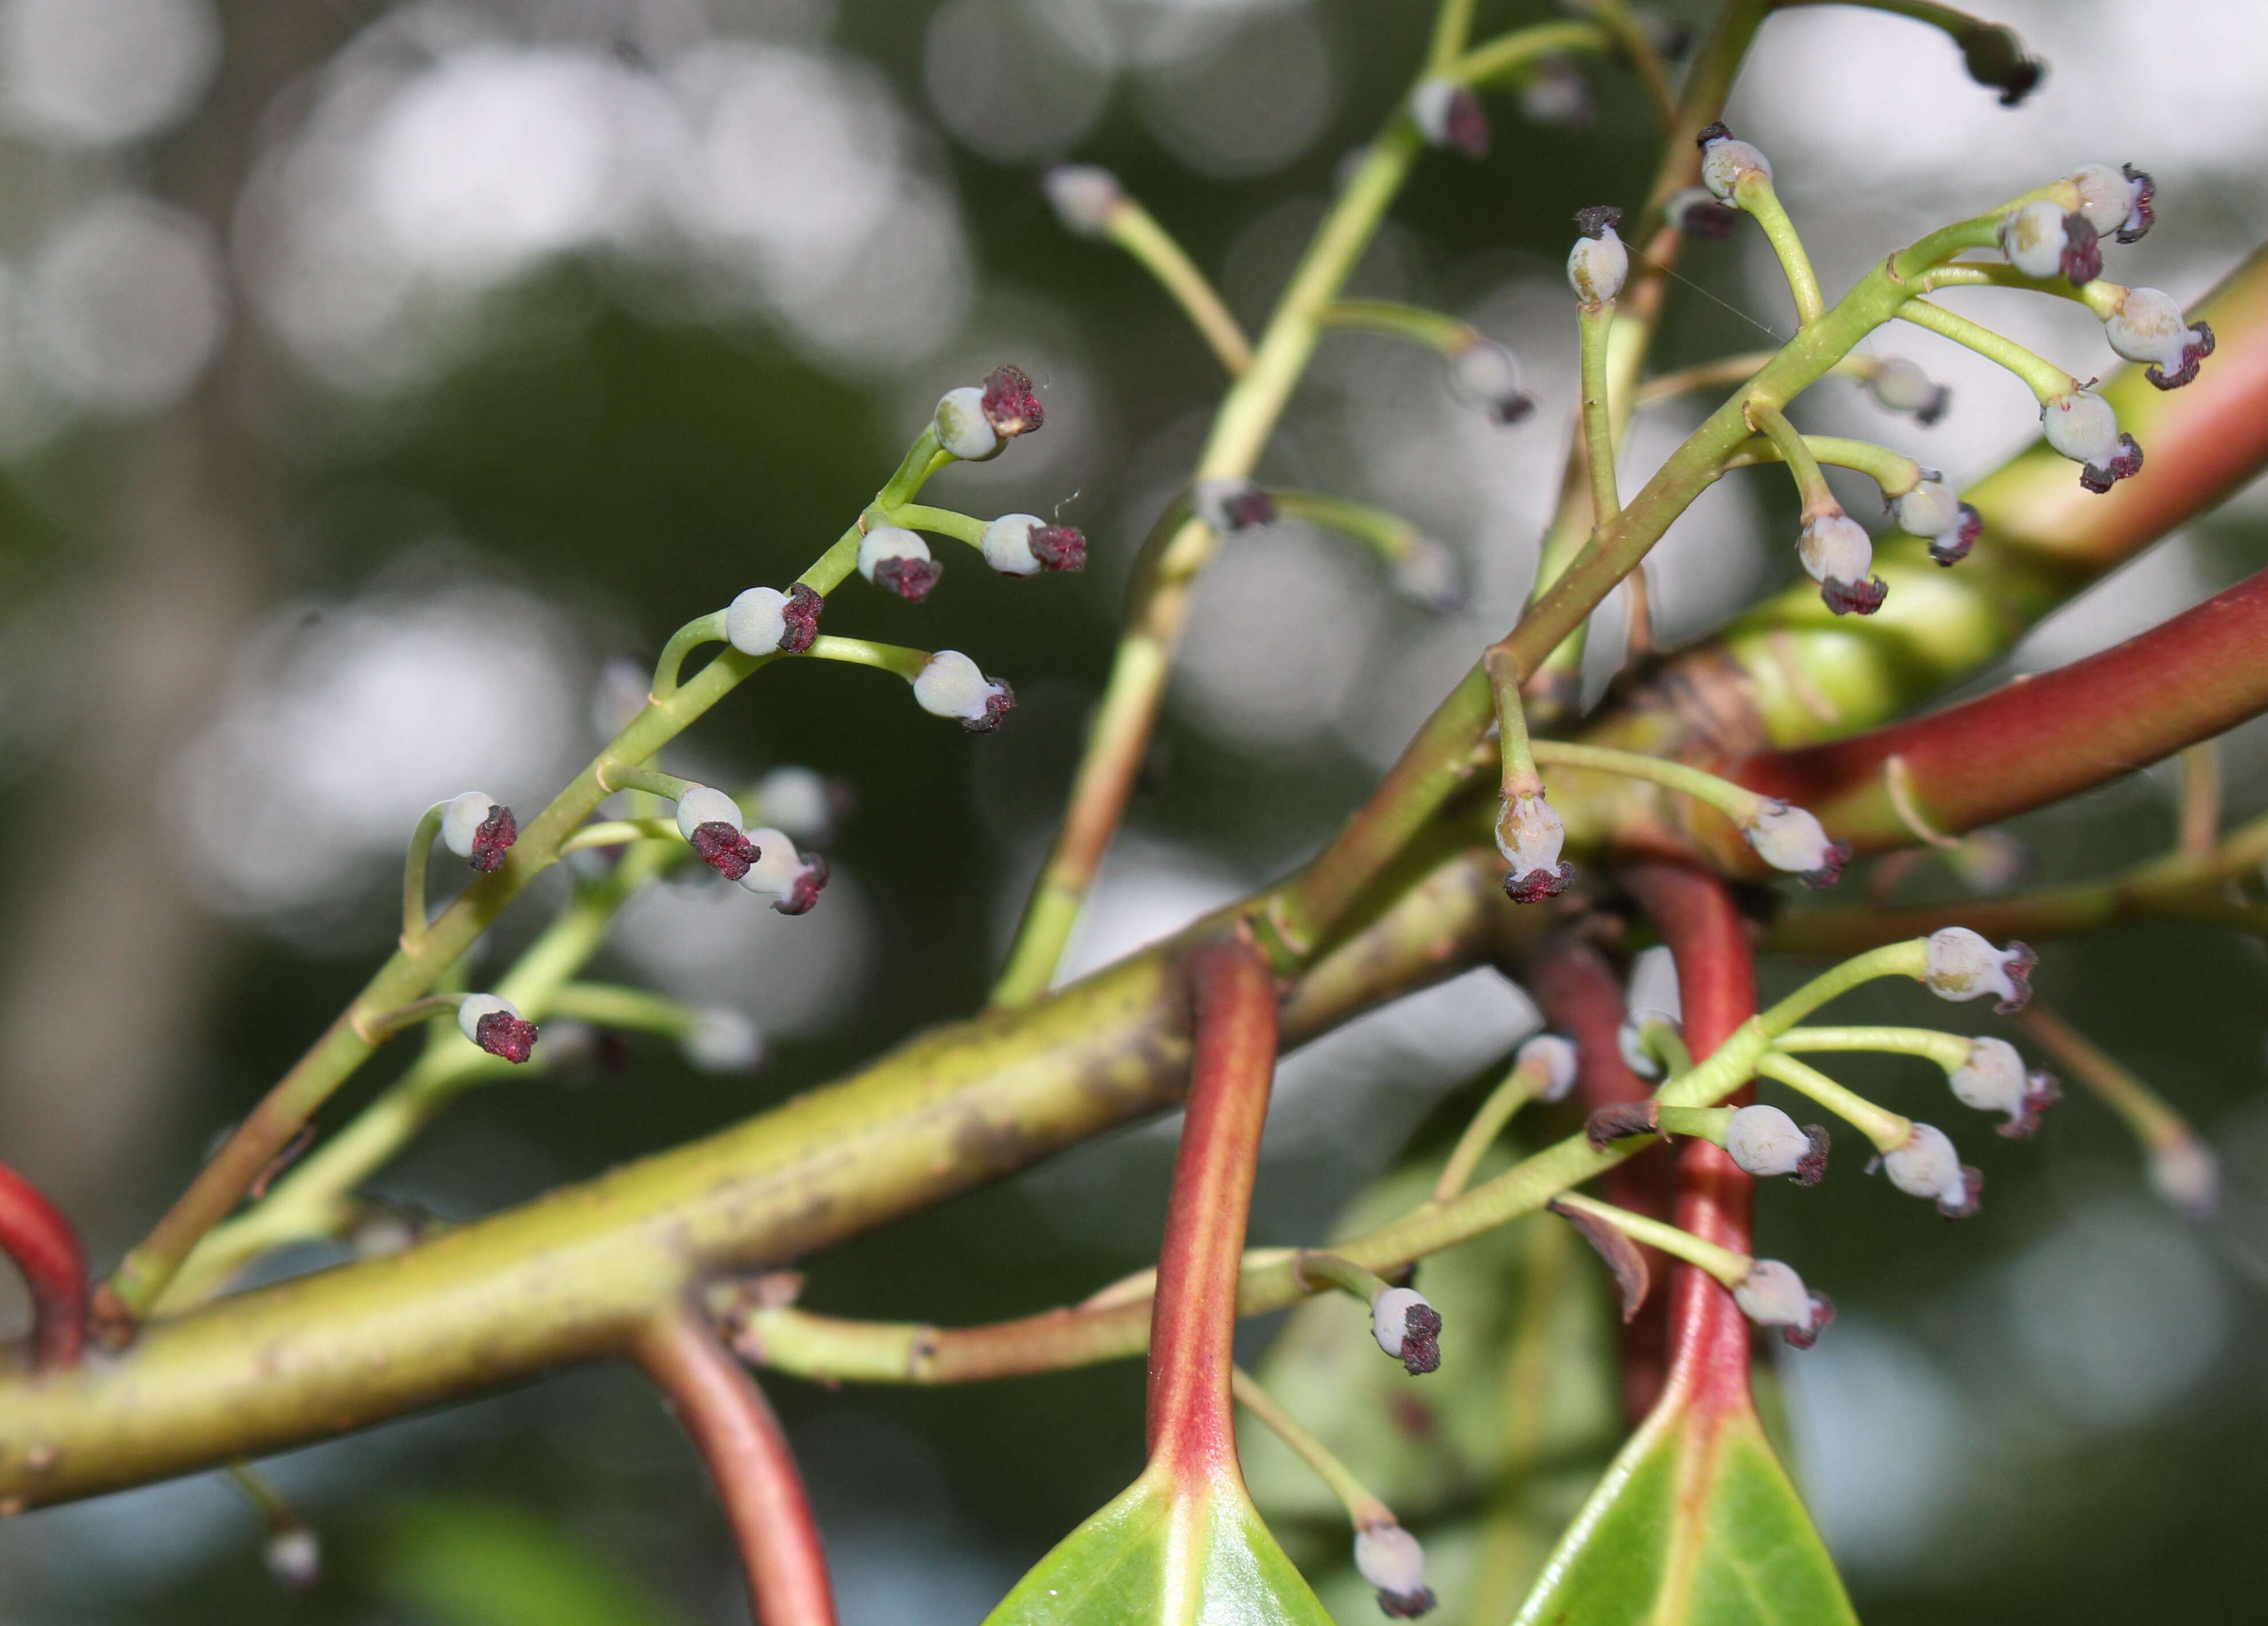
[{"x": 374, "y": 377}]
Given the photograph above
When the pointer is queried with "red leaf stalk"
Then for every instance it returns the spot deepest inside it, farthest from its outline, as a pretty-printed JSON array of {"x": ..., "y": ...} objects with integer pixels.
[
  {"x": 47, "y": 1250},
  {"x": 1193, "y": 1322},
  {"x": 740, "y": 1438}
]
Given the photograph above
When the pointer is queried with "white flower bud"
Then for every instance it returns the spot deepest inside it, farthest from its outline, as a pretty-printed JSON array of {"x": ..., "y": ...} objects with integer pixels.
[
  {"x": 1529, "y": 835},
  {"x": 477, "y": 1006},
  {"x": 2186, "y": 1174},
  {"x": 799, "y": 800},
  {"x": 2083, "y": 427},
  {"x": 1725, "y": 161},
  {"x": 1448, "y": 113},
  {"x": 1429, "y": 576},
  {"x": 1900, "y": 386},
  {"x": 722, "y": 1040},
  {"x": 1789, "y": 838},
  {"x": 790, "y": 879},
  {"x": 1934, "y": 509},
  {"x": 951, "y": 685},
  {"x": 1487, "y": 375},
  {"x": 1389, "y": 1557},
  {"x": 1598, "y": 264},
  {"x": 1653, "y": 997},
  {"x": 2115, "y": 201},
  {"x": 294, "y": 1557},
  {"x": 1767, "y": 1143},
  {"x": 1557, "y": 1058},
  {"x": 1964, "y": 966},
  {"x": 701, "y": 805},
  {"x": 1407, "y": 1328},
  {"x": 1991, "y": 1079},
  {"x": 479, "y": 829},
  {"x": 889, "y": 555},
  {"x": 764, "y": 621},
  {"x": 2147, "y": 327},
  {"x": 961, "y": 426},
  {"x": 1837, "y": 554},
  {"x": 1083, "y": 196},
  {"x": 1926, "y": 1165},
  {"x": 1007, "y": 544},
  {"x": 2043, "y": 239},
  {"x": 497, "y": 1025},
  {"x": 1773, "y": 1295}
]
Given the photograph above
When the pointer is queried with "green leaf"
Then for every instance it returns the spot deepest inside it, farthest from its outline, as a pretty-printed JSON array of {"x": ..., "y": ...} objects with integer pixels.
[
  {"x": 1694, "y": 1525},
  {"x": 1166, "y": 1553},
  {"x": 480, "y": 1563}
]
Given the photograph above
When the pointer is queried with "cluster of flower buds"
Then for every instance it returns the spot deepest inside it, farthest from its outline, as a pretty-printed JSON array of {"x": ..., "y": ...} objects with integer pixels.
[
  {"x": 1695, "y": 209},
  {"x": 1993, "y": 1079},
  {"x": 2145, "y": 325},
  {"x": 1898, "y": 385},
  {"x": 950, "y": 684},
  {"x": 1598, "y": 264},
  {"x": 1085, "y": 196},
  {"x": 1789, "y": 838},
  {"x": 1766, "y": 1141},
  {"x": 710, "y": 821},
  {"x": 721, "y": 1040},
  {"x": 1727, "y": 161},
  {"x": 1926, "y": 1165},
  {"x": 1409, "y": 1329},
  {"x": 1448, "y": 113},
  {"x": 1962, "y": 966},
  {"x": 1025, "y": 545},
  {"x": 1230, "y": 504},
  {"x": 2042, "y": 239},
  {"x": 1837, "y": 554},
  {"x": 2117, "y": 202},
  {"x": 1773, "y": 1295},
  {"x": 479, "y": 829},
  {"x": 764, "y": 621},
  {"x": 1934, "y": 509},
  {"x": 1485, "y": 374},
  {"x": 2084, "y": 427},
  {"x": 1531, "y": 835},
  {"x": 1557, "y": 1059},
  {"x": 975, "y": 421},
  {"x": 497, "y": 1025},
  {"x": 1389, "y": 1558},
  {"x": 792, "y": 880},
  {"x": 898, "y": 560},
  {"x": 1995, "y": 58}
]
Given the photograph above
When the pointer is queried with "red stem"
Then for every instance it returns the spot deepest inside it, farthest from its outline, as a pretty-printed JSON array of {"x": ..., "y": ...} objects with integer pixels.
[
  {"x": 740, "y": 1439},
  {"x": 1193, "y": 1322},
  {"x": 47, "y": 1250}
]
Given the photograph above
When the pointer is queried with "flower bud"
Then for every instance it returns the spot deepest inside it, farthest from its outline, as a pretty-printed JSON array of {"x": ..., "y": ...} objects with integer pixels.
[
  {"x": 1995, "y": 57},
  {"x": 497, "y": 1025},
  {"x": 951, "y": 685},
  {"x": 2147, "y": 326},
  {"x": 792, "y": 880},
  {"x": 722, "y": 1040},
  {"x": 1231, "y": 503},
  {"x": 1083, "y": 196},
  {"x": 710, "y": 821},
  {"x": 1025, "y": 545},
  {"x": 1993, "y": 1079},
  {"x": 1652, "y": 995},
  {"x": 1934, "y": 509},
  {"x": 1695, "y": 209},
  {"x": 700, "y": 805},
  {"x": 1838, "y": 555},
  {"x": 1555, "y": 96},
  {"x": 1389, "y": 1558},
  {"x": 1926, "y": 1165},
  {"x": 1964, "y": 966},
  {"x": 294, "y": 1556},
  {"x": 897, "y": 560},
  {"x": 479, "y": 829},
  {"x": 1449, "y": 115},
  {"x": 2084, "y": 427},
  {"x": 1009, "y": 404},
  {"x": 1598, "y": 263},
  {"x": 801, "y": 801},
  {"x": 764, "y": 621},
  {"x": 1409, "y": 1329},
  {"x": 961, "y": 427},
  {"x": 2117, "y": 200},
  {"x": 1789, "y": 838},
  {"x": 1529, "y": 835},
  {"x": 1772, "y": 1295},
  {"x": 2043, "y": 239},
  {"x": 1900, "y": 386},
  {"x": 1486, "y": 375},
  {"x": 1725, "y": 161},
  {"x": 1429, "y": 576},
  {"x": 2185, "y": 1173},
  {"x": 1766, "y": 1143},
  {"x": 1558, "y": 1059}
]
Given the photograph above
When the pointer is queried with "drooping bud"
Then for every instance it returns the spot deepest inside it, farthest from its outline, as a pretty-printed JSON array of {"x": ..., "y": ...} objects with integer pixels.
[
  {"x": 1789, "y": 838},
  {"x": 1557, "y": 1058},
  {"x": 952, "y": 685},
  {"x": 1926, "y": 1165},
  {"x": 2116, "y": 200},
  {"x": 1838, "y": 555},
  {"x": 1025, "y": 545},
  {"x": 897, "y": 560},
  {"x": 1428, "y": 576},
  {"x": 792, "y": 880},
  {"x": 1598, "y": 263},
  {"x": 961, "y": 426},
  {"x": 722, "y": 1040},
  {"x": 1964, "y": 966},
  {"x": 1448, "y": 113},
  {"x": 2185, "y": 1173},
  {"x": 1555, "y": 95},
  {"x": 764, "y": 621},
  {"x": 710, "y": 821},
  {"x": 294, "y": 1556},
  {"x": 802, "y": 801},
  {"x": 1409, "y": 1329},
  {"x": 1389, "y": 1557},
  {"x": 1934, "y": 509},
  {"x": 1529, "y": 835},
  {"x": 1487, "y": 375},
  {"x": 1995, "y": 58},
  {"x": 479, "y": 829},
  {"x": 1083, "y": 196},
  {"x": 497, "y": 1025},
  {"x": 1993, "y": 1079},
  {"x": 1773, "y": 1295},
  {"x": 1726, "y": 160},
  {"x": 1767, "y": 1143},
  {"x": 1230, "y": 504},
  {"x": 2084, "y": 427},
  {"x": 1900, "y": 386},
  {"x": 1695, "y": 209},
  {"x": 2147, "y": 326},
  {"x": 2043, "y": 239},
  {"x": 1009, "y": 403}
]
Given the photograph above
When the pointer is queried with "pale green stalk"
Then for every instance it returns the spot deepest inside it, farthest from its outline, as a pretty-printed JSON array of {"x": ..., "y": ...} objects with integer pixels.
[
  {"x": 1886, "y": 1129},
  {"x": 1949, "y": 1051},
  {"x": 2045, "y": 379},
  {"x": 1363, "y": 1510},
  {"x": 1727, "y": 1266}
]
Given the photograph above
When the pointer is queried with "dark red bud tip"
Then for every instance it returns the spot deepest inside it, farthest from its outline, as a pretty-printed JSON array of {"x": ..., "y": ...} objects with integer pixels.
[
  {"x": 1995, "y": 58},
  {"x": 1405, "y": 1606},
  {"x": 1971, "y": 1197},
  {"x": 2142, "y": 214},
  {"x": 1954, "y": 546},
  {"x": 2193, "y": 355},
  {"x": 1714, "y": 132},
  {"x": 2042, "y": 1091},
  {"x": 2082, "y": 260},
  {"x": 1421, "y": 1341},
  {"x": 1708, "y": 217},
  {"x": 911, "y": 579},
  {"x": 799, "y": 618},
  {"x": 1511, "y": 409},
  {"x": 726, "y": 849},
  {"x": 1823, "y": 1316},
  {"x": 1538, "y": 885},
  {"x": 997, "y": 704},
  {"x": 493, "y": 839},
  {"x": 1468, "y": 126},
  {"x": 1621, "y": 1121},
  {"x": 1850, "y": 597},
  {"x": 1811, "y": 1167},
  {"x": 2017, "y": 968},
  {"x": 1249, "y": 508},
  {"x": 502, "y": 1035},
  {"x": 1009, "y": 405},
  {"x": 1837, "y": 855},
  {"x": 1058, "y": 548},
  {"x": 1935, "y": 409},
  {"x": 809, "y": 882},
  {"x": 1598, "y": 219}
]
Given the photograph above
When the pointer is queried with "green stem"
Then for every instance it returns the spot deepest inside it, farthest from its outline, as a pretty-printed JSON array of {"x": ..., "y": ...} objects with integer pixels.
[
  {"x": 2101, "y": 295},
  {"x": 1526, "y": 1081},
  {"x": 941, "y": 522},
  {"x": 1727, "y": 1266},
  {"x": 622, "y": 833},
  {"x": 1893, "y": 471},
  {"x": 1949, "y": 1051},
  {"x": 1495, "y": 61},
  {"x": 1707, "y": 1124},
  {"x": 1433, "y": 329},
  {"x": 1735, "y": 802},
  {"x": 1363, "y": 1510},
  {"x": 1593, "y": 324},
  {"x": 1795, "y": 452},
  {"x": 1389, "y": 536},
  {"x": 378, "y": 1028},
  {"x": 652, "y": 781},
  {"x": 635, "y": 1010},
  {"x": 1520, "y": 777},
  {"x": 1314, "y": 1270},
  {"x": 1886, "y": 1129},
  {"x": 413, "y": 874},
  {"x": 1134, "y": 230},
  {"x": 1756, "y": 196},
  {"x": 701, "y": 629},
  {"x": 2045, "y": 379},
  {"x": 892, "y": 658}
]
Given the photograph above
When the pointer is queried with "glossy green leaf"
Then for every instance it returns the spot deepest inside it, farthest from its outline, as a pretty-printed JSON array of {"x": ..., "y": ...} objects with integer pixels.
[
  {"x": 479, "y": 1563},
  {"x": 1166, "y": 1553}
]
